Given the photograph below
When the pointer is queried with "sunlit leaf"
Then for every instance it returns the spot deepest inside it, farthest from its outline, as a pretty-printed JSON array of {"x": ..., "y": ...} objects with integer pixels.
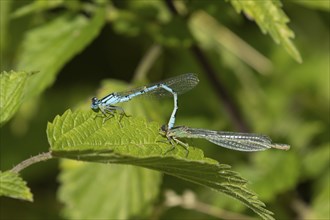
[
  {"x": 12, "y": 87},
  {"x": 271, "y": 19},
  {"x": 81, "y": 136},
  {"x": 49, "y": 47},
  {"x": 12, "y": 185}
]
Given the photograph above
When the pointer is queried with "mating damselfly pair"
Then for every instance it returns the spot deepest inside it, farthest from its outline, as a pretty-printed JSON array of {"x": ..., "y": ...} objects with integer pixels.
[{"x": 173, "y": 87}]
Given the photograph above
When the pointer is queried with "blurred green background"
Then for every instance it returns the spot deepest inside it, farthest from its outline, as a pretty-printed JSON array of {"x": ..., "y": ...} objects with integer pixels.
[{"x": 247, "y": 83}]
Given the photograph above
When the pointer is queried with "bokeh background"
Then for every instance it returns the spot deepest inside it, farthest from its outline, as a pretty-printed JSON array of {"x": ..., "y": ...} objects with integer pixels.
[{"x": 248, "y": 83}]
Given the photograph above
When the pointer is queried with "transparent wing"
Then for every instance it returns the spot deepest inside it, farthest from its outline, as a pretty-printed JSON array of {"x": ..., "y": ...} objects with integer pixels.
[
  {"x": 241, "y": 145},
  {"x": 180, "y": 84},
  {"x": 227, "y": 135},
  {"x": 233, "y": 140}
]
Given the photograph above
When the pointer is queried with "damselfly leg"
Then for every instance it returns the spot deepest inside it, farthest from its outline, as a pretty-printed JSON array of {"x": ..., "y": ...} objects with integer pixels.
[{"x": 164, "y": 131}]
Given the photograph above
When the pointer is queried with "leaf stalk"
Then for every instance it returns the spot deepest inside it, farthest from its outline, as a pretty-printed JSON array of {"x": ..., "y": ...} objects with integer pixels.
[{"x": 32, "y": 160}]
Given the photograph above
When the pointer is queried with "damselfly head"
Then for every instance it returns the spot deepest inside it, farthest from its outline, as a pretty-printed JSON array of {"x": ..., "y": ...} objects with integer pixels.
[
  {"x": 164, "y": 128},
  {"x": 95, "y": 104}
]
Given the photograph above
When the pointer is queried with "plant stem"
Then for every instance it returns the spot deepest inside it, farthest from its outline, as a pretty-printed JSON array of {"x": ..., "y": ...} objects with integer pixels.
[{"x": 32, "y": 160}]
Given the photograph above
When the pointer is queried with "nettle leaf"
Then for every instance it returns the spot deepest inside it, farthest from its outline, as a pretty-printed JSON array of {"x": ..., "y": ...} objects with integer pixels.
[
  {"x": 82, "y": 136},
  {"x": 271, "y": 19},
  {"x": 117, "y": 191},
  {"x": 49, "y": 47},
  {"x": 119, "y": 179},
  {"x": 12, "y": 86},
  {"x": 12, "y": 185}
]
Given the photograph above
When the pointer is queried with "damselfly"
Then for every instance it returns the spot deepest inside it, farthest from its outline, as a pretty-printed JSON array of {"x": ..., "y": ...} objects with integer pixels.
[
  {"x": 232, "y": 140},
  {"x": 172, "y": 86}
]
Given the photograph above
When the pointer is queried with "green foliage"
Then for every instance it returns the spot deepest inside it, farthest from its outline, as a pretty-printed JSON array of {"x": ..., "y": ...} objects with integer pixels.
[
  {"x": 81, "y": 136},
  {"x": 13, "y": 91},
  {"x": 271, "y": 19},
  {"x": 12, "y": 185},
  {"x": 48, "y": 47},
  {"x": 126, "y": 191},
  {"x": 80, "y": 43},
  {"x": 130, "y": 177}
]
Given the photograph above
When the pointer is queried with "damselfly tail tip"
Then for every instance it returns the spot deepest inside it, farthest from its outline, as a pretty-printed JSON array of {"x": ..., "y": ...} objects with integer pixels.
[{"x": 281, "y": 146}]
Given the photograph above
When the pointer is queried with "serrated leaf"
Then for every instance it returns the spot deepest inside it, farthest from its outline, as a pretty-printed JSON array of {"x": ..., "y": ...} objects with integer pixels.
[
  {"x": 12, "y": 185},
  {"x": 117, "y": 191},
  {"x": 12, "y": 91},
  {"x": 81, "y": 136},
  {"x": 271, "y": 19},
  {"x": 117, "y": 179},
  {"x": 49, "y": 47}
]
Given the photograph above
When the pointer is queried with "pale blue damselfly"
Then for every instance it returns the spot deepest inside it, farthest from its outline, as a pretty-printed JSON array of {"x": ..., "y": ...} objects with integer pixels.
[{"x": 172, "y": 86}]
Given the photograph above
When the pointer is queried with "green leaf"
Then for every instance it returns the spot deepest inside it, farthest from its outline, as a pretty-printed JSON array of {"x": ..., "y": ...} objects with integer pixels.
[
  {"x": 271, "y": 19},
  {"x": 49, "y": 47},
  {"x": 135, "y": 183},
  {"x": 12, "y": 185},
  {"x": 118, "y": 192},
  {"x": 12, "y": 86},
  {"x": 81, "y": 136}
]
